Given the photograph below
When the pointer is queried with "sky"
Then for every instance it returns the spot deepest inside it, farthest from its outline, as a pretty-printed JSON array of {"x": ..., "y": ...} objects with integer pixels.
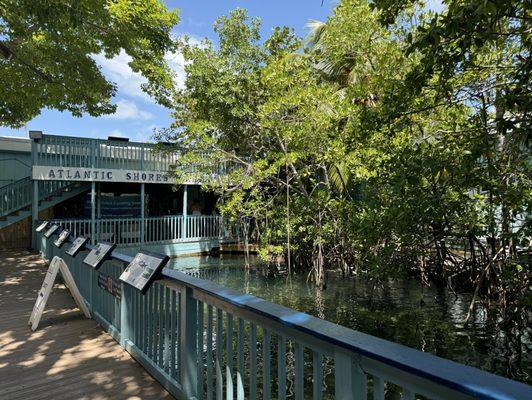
[{"x": 137, "y": 116}]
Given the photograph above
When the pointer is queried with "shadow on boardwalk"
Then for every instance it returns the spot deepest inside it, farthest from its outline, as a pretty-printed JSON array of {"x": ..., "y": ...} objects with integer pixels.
[{"x": 68, "y": 357}]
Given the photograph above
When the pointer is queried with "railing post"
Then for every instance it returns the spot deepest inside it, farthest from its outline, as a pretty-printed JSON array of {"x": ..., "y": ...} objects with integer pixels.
[
  {"x": 184, "y": 231},
  {"x": 188, "y": 345},
  {"x": 93, "y": 212},
  {"x": 142, "y": 210},
  {"x": 125, "y": 314}
]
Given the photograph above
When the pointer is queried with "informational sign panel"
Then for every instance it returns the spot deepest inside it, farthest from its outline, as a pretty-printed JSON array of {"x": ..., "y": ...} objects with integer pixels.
[
  {"x": 62, "y": 238},
  {"x": 142, "y": 271},
  {"x": 98, "y": 254},
  {"x": 51, "y": 231},
  {"x": 110, "y": 285},
  {"x": 41, "y": 227},
  {"x": 56, "y": 265},
  {"x": 79, "y": 242}
]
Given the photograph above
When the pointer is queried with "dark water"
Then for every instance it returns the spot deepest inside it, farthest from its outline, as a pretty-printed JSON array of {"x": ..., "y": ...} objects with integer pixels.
[{"x": 427, "y": 318}]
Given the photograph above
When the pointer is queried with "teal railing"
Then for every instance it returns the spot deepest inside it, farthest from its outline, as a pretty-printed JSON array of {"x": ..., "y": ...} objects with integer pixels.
[
  {"x": 204, "y": 341},
  {"x": 18, "y": 195},
  {"x": 67, "y": 151},
  {"x": 174, "y": 228}
]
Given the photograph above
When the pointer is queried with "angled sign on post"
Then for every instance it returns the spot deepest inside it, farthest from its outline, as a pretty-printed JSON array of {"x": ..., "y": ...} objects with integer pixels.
[
  {"x": 142, "y": 271},
  {"x": 99, "y": 254}
]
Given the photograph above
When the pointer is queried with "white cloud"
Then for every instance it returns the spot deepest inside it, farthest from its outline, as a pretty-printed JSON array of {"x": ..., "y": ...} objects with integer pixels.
[
  {"x": 117, "y": 70},
  {"x": 129, "y": 110}
]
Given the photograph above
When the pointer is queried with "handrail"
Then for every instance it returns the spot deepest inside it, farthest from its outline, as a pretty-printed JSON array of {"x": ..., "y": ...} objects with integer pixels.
[
  {"x": 18, "y": 194},
  {"x": 191, "y": 309},
  {"x": 127, "y": 230}
]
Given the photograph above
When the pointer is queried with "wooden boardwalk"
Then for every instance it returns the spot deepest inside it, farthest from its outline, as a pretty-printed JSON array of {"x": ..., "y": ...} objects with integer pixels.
[{"x": 68, "y": 357}]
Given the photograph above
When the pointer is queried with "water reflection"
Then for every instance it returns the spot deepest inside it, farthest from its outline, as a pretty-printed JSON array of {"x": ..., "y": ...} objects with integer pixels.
[{"x": 407, "y": 312}]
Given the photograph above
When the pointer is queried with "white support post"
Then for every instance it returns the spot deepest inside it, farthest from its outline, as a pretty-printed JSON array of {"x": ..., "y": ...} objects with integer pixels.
[
  {"x": 184, "y": 232},
  {"x": 93, "y": 212},
  {"x": 142, "y": 212}
]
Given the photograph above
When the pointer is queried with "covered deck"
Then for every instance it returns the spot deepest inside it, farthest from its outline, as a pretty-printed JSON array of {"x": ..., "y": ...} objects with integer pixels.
[{"x": 68, "y": 357}]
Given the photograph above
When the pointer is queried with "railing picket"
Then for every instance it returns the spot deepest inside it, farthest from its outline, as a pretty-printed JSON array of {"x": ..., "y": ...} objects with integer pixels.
[
  {"x": 266, "y": 365},
  {"x": 209, "y": 352},
  {"x": 173, "y": 329},
  {"x": 167, "y": 328},
  {"x": 360, "y": 383},
  {"x": 160, "y": 321},
  {"x": 229, "y": 355},
  {"x": 407, "y": 394},
  {"x": 253, "y": 362},
  {"x": 219, "y": 344},
  {"x": 281, "y": 368},
  {"x": 378, "y": 388},
  {"x": 200, "y": 351},
  {"x": 299, "y": 368},
  {"x": 317, "y": 376},
  {"x": 240, "y": 361}
]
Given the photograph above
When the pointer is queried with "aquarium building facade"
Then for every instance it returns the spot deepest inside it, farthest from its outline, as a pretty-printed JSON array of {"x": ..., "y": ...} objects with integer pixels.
[{"x": 108, "y": 190}]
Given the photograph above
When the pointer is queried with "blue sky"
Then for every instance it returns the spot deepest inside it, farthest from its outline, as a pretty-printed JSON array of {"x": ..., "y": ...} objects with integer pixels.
[{"x": 137, "y": 116}]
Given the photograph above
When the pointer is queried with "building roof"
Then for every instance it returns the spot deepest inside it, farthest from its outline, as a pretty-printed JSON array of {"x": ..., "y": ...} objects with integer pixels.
[{"x": 9, "y": 143}]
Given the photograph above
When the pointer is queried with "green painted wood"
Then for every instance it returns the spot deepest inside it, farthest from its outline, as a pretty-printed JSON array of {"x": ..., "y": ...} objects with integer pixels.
[
  {"x": 378, "y": 388},
  {"x": 317, "y": 376},
  {"x": 281, "y": 367},
  {"x": 299, "y": 371},
  {"x": 173, "y": 335},
  {"x": 200, "y": 363},
  {"x": 266, "y": 365},
  {"x": 253, "y": 362},
  {"x": 209, "y": 379},
  {"x": 188, "y": 345},
  {"x": 229, "y": 384},
  {"x": 240, "y": 361},
  {"x": 219, "y": 360}
]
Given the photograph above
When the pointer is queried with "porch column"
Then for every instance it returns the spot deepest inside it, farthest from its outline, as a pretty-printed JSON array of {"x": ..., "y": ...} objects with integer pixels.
[
  {"x": 185, "y": 212},
  {"x": 34, "y": 212},
  {"x": 34, "y": 135},
  {"x": 142, "y": 212},
  {"x": 98, "y": 210},
  {"x": 93, "y": 212}
]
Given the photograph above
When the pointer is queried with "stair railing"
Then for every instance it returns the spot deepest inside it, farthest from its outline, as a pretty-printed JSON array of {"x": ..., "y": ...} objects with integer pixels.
[{"x": 18, "y": 195}]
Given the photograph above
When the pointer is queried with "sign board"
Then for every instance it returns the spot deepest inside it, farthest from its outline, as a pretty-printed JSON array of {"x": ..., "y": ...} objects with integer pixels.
[
  {"x": 42, "y": 172},
  {"x": 112, "y": 286},
  {"x": 142, "y": 271},
  {"x": 62, "y": 238},
  {"x": 56, "y": 265},
  {"x": 51, "y": 231},
  {"x": 78, "y": 243},
  {"x": 41, "y": 227},
  {"x": 98, "y": 254}
]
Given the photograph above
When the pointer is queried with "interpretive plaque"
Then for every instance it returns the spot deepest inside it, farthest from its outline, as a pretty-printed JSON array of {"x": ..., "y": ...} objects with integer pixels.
[
  {"x": 41, "y": 227},
  {"x": 110, "y": 285},
  {"x": 51, "y": 231},
  {"x": 98, "y": 254},
  {"x": 78, "y": 243},
  {"x": 63, "y": 236},
  {"x": 142, "y": 271}
]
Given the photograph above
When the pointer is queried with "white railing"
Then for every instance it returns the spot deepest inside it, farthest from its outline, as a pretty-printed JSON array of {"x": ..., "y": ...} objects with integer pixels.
[{"x": 156, "y": 229}]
